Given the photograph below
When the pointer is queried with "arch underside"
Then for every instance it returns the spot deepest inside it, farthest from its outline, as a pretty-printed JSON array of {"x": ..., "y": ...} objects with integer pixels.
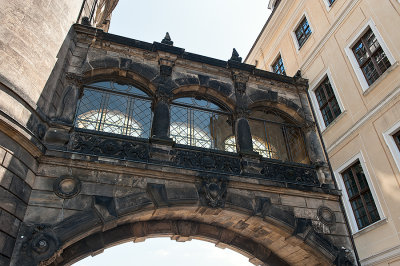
[{"x": 262, "y": 237}]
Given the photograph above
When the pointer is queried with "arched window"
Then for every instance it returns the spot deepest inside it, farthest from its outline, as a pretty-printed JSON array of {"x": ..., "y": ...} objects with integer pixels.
[
  {"x": 200, "y": 123},
  {"x": 114, "y": 108},
  {"x": 276, "y": 136}
]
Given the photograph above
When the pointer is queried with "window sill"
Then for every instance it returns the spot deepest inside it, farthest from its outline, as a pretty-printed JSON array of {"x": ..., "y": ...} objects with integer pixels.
[
  {"x": 375, "y": 84},
  {"x": 323, "y": 130},
  {"x": 370, "y": 227}
]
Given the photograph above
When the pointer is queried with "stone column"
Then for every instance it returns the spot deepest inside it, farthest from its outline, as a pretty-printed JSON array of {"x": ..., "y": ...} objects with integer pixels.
[
  {"x": 316, "y": 154},
  {"x": 244, "y": 141},
  {"x": 161, "y": 118}
]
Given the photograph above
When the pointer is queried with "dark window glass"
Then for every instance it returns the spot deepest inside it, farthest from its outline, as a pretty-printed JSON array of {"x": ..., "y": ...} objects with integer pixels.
[
  {"x": 328, "y": 105},
  {"x": 302, "y": 32},
  {"x": 114, "y": 108},
  {"x": 278, "y": 67},
  {"x": 370, "y": 57},
  {"x": 360, "y": 196},
  {"x": 396, "y": 137}
]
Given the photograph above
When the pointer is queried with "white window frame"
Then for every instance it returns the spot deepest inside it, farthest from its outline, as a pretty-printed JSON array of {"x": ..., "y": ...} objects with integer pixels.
[
  {"x": 293, "y": 33},
  {"x": 349, "y": 52},
  {"x": 329, "y": 7},
  {"x": 388, "y": 136},
  {"x": 346, "y": 202},
  {"x": 273, "y": 61},
  {"x": 313, "y": 87}
]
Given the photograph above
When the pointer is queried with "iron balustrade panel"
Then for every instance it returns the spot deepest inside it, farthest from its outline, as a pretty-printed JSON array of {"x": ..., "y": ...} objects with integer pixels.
[
  {"x": 191, "y": 158},
  {"x": 117, "y": 112},
  {"x": 86, "y": 142}
]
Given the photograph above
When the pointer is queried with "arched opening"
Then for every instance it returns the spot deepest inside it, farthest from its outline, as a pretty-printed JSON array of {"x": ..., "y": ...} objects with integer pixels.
[
  {"x": 199, "y": 122},
  {"x": 276, "y": 136},
  {"x": 114, "y": 108},
  {"x": 165, "y": 251}
]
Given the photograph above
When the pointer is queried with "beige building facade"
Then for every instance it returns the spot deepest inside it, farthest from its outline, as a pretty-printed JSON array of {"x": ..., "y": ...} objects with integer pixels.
[{"x": 349, "y": 52}]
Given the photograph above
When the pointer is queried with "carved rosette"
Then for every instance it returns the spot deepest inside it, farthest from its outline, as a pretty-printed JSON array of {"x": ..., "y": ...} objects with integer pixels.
[
  {"x": 326, "y": 216},
  {"x": 67, "y": 187},
  {"x": 39, "y": 246},
  {"x": 214, "y": 190}
]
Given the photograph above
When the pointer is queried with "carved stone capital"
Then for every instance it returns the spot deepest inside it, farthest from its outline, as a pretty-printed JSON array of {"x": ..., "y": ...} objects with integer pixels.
[
  {"x": 163, "y": 95},
  {"x": 74, "y": 79},
  {"x": 241, "y": 112},
  {"x": 309, "y": 126}
]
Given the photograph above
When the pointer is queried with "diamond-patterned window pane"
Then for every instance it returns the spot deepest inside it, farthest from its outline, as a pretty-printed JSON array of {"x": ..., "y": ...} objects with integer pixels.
[
  {"x": 114, "y": 113},
  {"x": 277, "y": 140},
  {"x": 230, "y": 144},
  {"x": 193, "y": 126}
]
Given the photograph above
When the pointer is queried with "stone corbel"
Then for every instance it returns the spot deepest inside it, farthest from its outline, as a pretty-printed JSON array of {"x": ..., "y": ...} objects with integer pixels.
[
  {"x": 166, "y": 62},
  {"x": 240, "y": 81}
]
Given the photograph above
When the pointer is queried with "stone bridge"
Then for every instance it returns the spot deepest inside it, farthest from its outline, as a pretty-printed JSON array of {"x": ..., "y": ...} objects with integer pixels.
[{"x": 72, "y": 185}]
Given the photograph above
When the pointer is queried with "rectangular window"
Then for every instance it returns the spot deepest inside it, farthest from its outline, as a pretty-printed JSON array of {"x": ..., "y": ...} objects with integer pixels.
[
  {"x": 277, "y": 66},
  {"x": 328, "y": 105},
  {"x": 360, "y": 196},
  {"x": 302, "y": 32},
  {"x": 396, "y": 138},
  {"x": 331, "y": 2},
  {"x": 370, "y": 57}
]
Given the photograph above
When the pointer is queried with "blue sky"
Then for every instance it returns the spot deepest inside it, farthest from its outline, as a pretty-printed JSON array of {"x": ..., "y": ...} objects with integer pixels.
[{"x": 208, "y": 27}]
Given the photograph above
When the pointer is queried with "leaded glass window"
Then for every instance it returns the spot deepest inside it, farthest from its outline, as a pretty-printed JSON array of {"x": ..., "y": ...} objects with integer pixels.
[
  {"x": 114, "y": 108},
  {"x": 276, "y": 138},
  {"x": 302, "y": 32},
  {"x": 370, "y": 57},
  {"x": 360, "y": 196},
  {"x": 200, "y": 123}
]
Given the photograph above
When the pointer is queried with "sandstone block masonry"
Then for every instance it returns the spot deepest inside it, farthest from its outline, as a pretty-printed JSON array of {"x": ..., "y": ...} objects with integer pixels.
[{"x": 73, "y": 192}]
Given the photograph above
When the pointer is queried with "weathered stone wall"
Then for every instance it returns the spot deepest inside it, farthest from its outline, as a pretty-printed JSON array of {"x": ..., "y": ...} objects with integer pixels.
[
  {"x": 31, "y": 35},
  {"x": 96, "y": 189},
  {"x": 287, "y": 222},
  {"x": 17, "y": 176}
]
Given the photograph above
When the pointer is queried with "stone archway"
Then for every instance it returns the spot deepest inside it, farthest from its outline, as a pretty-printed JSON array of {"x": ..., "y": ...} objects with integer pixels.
[{"x": 266, "y": 238}]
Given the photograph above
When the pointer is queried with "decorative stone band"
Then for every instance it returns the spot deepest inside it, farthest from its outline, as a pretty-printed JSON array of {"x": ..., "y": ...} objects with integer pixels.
[{"x": 129, "y": 148}]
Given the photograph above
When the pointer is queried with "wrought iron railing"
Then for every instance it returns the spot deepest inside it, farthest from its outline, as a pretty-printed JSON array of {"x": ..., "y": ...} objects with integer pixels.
[{"x": 197, "y": 159}]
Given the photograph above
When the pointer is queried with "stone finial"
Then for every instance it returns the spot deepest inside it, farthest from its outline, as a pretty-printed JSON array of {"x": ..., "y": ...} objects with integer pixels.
[
  {"x": 235, "y": 56},
  {"x": 167, "y": 40}
]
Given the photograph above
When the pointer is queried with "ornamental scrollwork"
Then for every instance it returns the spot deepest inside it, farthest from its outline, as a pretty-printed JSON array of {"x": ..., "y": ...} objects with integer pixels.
[
  {"x": 98, "y": 145},
  {"x": 290, "y": 174},
  {"x": 206, "y": 161}
]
